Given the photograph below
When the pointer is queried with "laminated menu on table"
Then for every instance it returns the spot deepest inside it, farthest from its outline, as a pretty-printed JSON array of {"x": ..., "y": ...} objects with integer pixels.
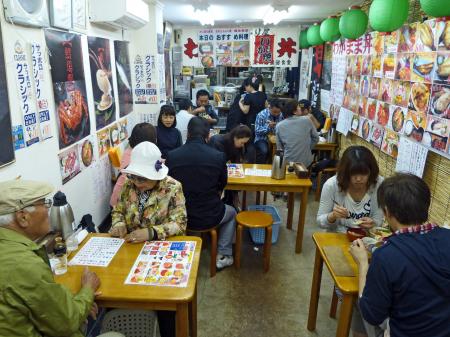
[
  {"x": 97, "y": 252},
  {"x": 163, "y": 263}
]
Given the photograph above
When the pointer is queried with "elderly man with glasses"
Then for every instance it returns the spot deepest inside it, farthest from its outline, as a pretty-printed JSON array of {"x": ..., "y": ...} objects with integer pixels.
[{"x": 31, "y": 303}]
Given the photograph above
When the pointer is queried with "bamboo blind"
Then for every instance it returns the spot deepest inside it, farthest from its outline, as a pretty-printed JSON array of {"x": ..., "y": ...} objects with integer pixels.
[{"x": 436, "y": 175}]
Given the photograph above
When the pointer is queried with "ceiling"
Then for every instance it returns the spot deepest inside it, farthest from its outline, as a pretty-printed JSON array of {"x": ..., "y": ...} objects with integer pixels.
[{"x": 244, "y": 12}]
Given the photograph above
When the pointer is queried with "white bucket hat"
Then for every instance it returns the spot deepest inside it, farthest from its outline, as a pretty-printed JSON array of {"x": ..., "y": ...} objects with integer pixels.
[{"x": 146, "y": 162}]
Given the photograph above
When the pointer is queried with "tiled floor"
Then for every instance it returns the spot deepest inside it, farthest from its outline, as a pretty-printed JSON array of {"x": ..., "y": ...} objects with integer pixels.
[{"x": 247, "y": 302}]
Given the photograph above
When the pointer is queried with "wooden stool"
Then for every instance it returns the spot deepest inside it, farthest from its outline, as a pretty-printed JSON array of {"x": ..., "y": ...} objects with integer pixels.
[
  {"x": 332, "y": 171},
  {"x": 254, "y": 219},
  {"x": 213, "y": 233}
]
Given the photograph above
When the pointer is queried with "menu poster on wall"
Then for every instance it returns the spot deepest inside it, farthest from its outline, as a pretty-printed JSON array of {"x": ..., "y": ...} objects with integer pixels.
[
  {"x": 103, "y": 142},
  {"x": 18, "y": 138},
  {"x": 145, "y": 76},
  {"x": 101, "y": 77},
  {"x": 86, "y": 152},
  {"x": 6, "y": 141},
  {"x": 123, "y": 77},
  {"x": 305, "y": 70},
  {"x": 411, "y": 157},
  {"x": 206, "y": 48},
  {"x": 69, "y": 163},
  {"x": 190, "y": 48},
  {"x": 162, "y": 79},
  {"x": 37, "y": 56},
  {"x": 24, "y": 88},
  {"x": 286, "y": 47},
  {"x": 316, "y": 75},
  {"x": 264, "y": 50},
  {"x": 66, "y": 61}
]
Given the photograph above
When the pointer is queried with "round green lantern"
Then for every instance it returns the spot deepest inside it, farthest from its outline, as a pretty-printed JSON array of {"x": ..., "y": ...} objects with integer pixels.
[
  {"x": 304, "y": 40},
  {"x": 436, "y": 8},
  {"x": 313, "y": 35},
  {"x": 388, "y": 15},
  {"x": 353, "y": 23},
  {"x": 329, "y": 29}
]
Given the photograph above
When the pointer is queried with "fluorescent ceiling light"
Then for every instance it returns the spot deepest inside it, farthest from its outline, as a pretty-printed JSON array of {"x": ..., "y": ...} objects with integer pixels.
[
  {"x": 275, "y": 15},
  {"x": 203, "y": 14}
]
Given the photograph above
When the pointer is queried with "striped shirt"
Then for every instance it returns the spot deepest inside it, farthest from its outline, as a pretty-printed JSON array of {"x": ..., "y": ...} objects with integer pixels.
[{"x": 262, "y": 128}]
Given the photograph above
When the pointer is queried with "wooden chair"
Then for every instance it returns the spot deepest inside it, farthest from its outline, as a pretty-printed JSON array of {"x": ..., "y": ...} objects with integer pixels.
[
  {"x": 254, "y": 219},
  {"x": 213, "y": 233},
  {"x": 331, "y": 171}
]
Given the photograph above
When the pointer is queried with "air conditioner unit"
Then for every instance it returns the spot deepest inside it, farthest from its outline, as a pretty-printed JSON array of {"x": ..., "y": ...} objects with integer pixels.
[
  {"x": 119, "y": 13},
  {"x": 27, "y": 12}
]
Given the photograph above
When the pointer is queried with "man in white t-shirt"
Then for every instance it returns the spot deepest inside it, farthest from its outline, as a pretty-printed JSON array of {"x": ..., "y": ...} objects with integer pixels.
[{"x": 184, "y": 116}]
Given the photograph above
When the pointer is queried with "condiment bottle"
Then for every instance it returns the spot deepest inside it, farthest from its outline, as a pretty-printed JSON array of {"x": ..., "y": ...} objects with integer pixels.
[{"x": 60, "y": 252}]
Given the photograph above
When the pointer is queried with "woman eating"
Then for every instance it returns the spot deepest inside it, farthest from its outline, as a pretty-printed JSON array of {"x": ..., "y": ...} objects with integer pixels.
[
  {"x": 233, "y": 144},
  {"x": 151, "y": 205},
  {"x": 168, "y": 136},
  {"x": 349, "y": 199}
]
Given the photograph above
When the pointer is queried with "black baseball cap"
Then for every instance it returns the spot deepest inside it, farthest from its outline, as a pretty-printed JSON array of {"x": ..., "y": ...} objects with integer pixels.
[{"x": 304, "y": 104}]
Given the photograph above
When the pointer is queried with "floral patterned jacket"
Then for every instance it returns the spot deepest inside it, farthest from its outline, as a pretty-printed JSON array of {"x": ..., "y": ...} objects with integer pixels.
[{"x": 164, "y": 210}]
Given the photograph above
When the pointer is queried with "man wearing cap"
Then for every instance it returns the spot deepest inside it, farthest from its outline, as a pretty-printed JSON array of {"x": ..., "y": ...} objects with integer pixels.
[
  {"x": 31, "y": 303},
  {"x": 316, "y": 116}
]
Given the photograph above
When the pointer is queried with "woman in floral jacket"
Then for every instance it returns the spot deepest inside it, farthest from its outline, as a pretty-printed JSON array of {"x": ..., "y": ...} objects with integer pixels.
[{"x": 151, "y": 205}]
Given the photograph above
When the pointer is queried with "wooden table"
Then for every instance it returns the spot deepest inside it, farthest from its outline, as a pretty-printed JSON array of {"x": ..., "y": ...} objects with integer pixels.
[
  {"x": 290, "y": 184},
  {"x": 321, "y": 146},
  {"x": 347, "y": 285},
  {"x": 116, "y": 294}
]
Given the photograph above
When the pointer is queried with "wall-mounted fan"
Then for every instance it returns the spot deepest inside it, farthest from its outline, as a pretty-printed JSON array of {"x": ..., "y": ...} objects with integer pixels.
[{"x": 27, "y": 12}]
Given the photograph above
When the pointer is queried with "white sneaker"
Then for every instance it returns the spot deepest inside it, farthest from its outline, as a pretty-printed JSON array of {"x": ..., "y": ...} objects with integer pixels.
[{"x": 224, "y": 261}]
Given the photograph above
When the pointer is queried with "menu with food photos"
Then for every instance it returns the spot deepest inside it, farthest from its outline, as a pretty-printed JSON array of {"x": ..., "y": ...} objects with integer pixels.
[
  {"x": 163, "y": 263},
  {"x": 397, "y": 85},
  {"x": 235, "y": 171},
  {"x": 97, "y": 252}
]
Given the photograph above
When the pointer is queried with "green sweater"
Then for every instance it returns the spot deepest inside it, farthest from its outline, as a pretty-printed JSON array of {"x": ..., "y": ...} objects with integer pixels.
[{"x": 31, "y": 303}]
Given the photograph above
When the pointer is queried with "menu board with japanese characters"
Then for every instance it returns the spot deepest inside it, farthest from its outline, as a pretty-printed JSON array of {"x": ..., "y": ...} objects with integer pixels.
[{"x": 397, "y": 85}]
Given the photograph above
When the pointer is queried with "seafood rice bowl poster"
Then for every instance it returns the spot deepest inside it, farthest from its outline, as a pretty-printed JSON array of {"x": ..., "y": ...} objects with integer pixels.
[
  {"x": 101, "y": 77},
  {"x": 69, "y": 163},
  {"x": 69, "y": 88}
]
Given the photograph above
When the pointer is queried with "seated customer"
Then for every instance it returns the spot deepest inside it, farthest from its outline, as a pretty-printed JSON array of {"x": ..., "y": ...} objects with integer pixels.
[
  {"x": 408, "y": 279},
  {"x": 350, "y": 197},
  {"x": 316, "y": 116},
  {"x": 265, "y": 124},
  {"x": 184, "y": 116},
  {"x": 31, "y": 303},
  {"x": 202, "y": 171},
  {"x": 151, "y": 205},
  {"x": 233, "y": 144},
  {"x": 142, "y": 132},
  {"x": 168, "y": 136},
  {"x": 296, "y": 135},
  {"x": 204, "y": 109}
]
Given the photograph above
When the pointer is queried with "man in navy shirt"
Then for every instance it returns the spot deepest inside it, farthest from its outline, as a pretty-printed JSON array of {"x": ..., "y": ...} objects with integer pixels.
[
  {"x": 204, "y": 109},
  {"x": 408, "y": 279}
]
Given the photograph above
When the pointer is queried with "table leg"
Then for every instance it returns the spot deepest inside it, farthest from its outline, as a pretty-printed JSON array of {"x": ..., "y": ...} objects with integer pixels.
[
  {"x": 290, "y": 205},
  {"x": 182, "y": 320},
  {"x": 334, "y": 304},
  {"x": 315, "y": 291},
  {"x": 193, "y": 315},
  {"x": 265, "y": 198},
  {"x": 345, "y": 316},
  {"x": 301, "y": 221},
  {"x": 244, "y": 200},
  {"x": 258, "y": 198}
]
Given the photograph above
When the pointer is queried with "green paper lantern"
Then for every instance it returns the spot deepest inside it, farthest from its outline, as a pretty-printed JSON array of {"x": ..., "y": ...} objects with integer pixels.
[
  {"x": 313, "y": 35},
  {"x": 388, "y": 15},
  {"x": 353, "y": 23},
  {"x": 329, "y": 29},
  {"x": 304, "y": 40},
  {"x": 436, "y": 8}
]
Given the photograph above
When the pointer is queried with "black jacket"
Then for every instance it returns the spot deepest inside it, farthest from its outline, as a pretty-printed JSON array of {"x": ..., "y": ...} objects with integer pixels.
[{"x": 202, "y": 171}]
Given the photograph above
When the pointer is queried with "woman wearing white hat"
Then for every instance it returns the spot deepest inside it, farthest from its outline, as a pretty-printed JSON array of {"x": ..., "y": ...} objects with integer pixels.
[{"x": 151, "y": 205}]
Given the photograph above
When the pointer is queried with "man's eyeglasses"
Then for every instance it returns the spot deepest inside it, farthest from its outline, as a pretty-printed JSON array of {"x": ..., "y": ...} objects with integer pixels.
[
  {"x": 135, "y": 178},
  {"x": 47, "y": 203}
]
